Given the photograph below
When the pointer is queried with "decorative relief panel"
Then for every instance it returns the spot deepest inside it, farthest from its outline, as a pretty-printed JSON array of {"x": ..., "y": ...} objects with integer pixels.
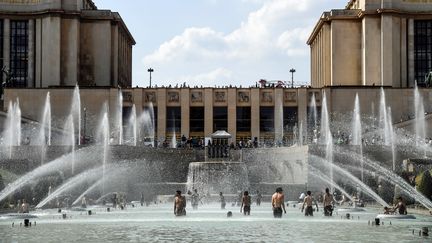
[
  {"x": 127, "y": 96},
  {"x": 150, "y": 97},
  {"x": 317, "y": 96},
  {"x": 197, "y": 97},
  {"x": 243, "y": 97},
  {"x": 173, "y": 97},
  {"x": 290, "y": 96},
  {"x": 267, "y": 97},
  {"x": 220, "y": 97}
]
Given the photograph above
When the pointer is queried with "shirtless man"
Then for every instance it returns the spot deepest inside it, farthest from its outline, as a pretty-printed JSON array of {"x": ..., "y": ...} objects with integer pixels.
[
  {"x": 246, "y": 203},
  {"x": 328, "y": 203},
  {"x": 179, "y": 204},
  {"x": 400, "y": 207},
  {"x": 278, "y": 203},
  {"x": 308, "y": 201}
]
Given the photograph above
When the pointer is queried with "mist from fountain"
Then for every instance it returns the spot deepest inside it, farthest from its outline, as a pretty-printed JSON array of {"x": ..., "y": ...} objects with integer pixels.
[
  {"x": 69, "y": 139},
  {"x": 420, "y": 125},
  {"x": 76, "y": 112},
  {"x": 357, "y": 130},
  {"x": 354, "y": 180},
  {"x": 326, "y": 135},
  {"x": 301, "y": 134},
  {"x": 119, "y": 124},
  {"x": 392, "y": 177},
  {"x": 279, "y": 116},
  {"x": 88, "y": 176},
  {"x": 392, "y": 138},
  {"x": 318, "y": 174}
]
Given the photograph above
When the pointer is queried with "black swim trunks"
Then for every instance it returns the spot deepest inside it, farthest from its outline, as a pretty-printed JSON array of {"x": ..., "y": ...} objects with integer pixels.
[
  {"x": 309, "y": 211},
  {"x": 246, "y": 210},
  {"x": 277, "y": 212},
  {"x": 328, "y": 210}
]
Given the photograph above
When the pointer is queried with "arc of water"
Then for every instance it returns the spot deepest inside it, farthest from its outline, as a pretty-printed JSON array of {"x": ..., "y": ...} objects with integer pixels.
[
  {"x": 326, "y": 179},
  {"x": 84, "y": 156},
  {"x": 133, "y": 124},
  {"x": 353, "y": 179},
  {"x": 394, "y": 179},
  {"x": 73, "y": 182}
]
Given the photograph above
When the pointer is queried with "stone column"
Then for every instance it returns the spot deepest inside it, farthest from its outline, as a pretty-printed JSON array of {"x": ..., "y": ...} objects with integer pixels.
[
  {"x": 371, "y": 53},
  {"x": 6, "y": 45},
  {"x": 185, "y": 111},
  {"x": 255, "y": 113},
  {"x": 161, "y": 109},
  {"x": 278, "y": 114},
  {"x": 31, "y": 54},
  {"x": 386, "y": 50},
  {"x": 411, "y": 64},
  {"x": 38, "y": 53},
  {"x": 403, "y": 54},
  {"x": 51, "y": 33},
  {"x": 208, "y": 112},
  {"x": 232, "y": 114}
]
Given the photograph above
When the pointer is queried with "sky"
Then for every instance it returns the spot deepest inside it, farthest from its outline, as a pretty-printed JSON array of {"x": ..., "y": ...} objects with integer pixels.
[{"x": 220, "y": 42}]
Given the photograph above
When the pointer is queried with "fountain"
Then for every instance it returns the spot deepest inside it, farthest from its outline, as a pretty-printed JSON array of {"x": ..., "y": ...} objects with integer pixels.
[
  {"x": 76, "y": 112},
  {"x": 146, "y": 126},
  {"x": 133, "y": 126},
  {"x": 69, "y": 138},
  {"x": 420, "y": 125},
  {"x": 104, "y": 135},
  {"x": 326, "y": 135},
  {"x": 12, "y": 133},
  {"x": 119, "y": 118},
  {"x": 357, "y": 131}
]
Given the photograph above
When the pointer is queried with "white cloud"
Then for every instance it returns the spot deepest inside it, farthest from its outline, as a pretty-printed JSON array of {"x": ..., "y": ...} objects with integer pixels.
[{"x": 275, "y": 33}]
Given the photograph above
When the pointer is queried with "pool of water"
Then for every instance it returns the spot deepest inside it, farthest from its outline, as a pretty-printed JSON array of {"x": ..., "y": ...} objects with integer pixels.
[{"x": 157, "y": 223}]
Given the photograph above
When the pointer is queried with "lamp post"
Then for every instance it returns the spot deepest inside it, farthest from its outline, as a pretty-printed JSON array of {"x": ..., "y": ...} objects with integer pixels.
[
  {"x": 292, "y": 71},
  {"x": 150, "y": 70}
]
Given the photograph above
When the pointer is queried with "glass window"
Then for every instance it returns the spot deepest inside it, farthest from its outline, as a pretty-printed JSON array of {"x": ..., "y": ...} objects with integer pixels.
[
  {"x": 173, "y": 121},
  {"x": 290, "y": 119},
  {"x": 422, "y": 49},
  {"x": 19, "y": 53},
  {"x": 267, "y": 119},
  {"x": 220, "y": 118},
  {"x": 243, "y": 119},
  {"x": 196, "y": 121}
]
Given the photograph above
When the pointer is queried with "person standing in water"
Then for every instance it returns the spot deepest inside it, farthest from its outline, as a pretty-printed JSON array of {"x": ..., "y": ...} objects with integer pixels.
[
  {"x": 328, "y": 203},
  {"x": 400, "y": 207},
  {"x": 179, "y": 204},
  {"x": 278, "y": 203},
  {"x": 259, "y": 198},
  {"x": 308, "y": 201},
  {"x": 246, "y": 203},
  {"x": 195, "y": 199},
  {"x": 222, "y": 200}
]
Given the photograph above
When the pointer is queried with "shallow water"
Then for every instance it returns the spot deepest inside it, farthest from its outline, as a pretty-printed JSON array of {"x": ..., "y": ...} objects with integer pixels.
[{"x": 156, "y": 223}]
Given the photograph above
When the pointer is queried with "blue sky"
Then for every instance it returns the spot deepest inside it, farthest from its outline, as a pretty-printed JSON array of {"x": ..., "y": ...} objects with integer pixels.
[{"x": 220, "y": 42}]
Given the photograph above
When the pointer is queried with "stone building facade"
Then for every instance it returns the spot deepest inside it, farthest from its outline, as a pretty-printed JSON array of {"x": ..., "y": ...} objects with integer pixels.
[
  {"x": 373, "y": 42},
  {"x": 269, "y": 114},
  {"x": 46, "y": 43}
]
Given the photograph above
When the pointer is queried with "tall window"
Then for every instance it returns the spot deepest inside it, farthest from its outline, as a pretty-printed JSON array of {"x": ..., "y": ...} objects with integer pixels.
[
  {"x": 220, "y": 118},
  {"x": 267, "y": 119},
  {"x": 19, "y": 53},
  {"x": 196, "y": 121},
  {"x": 243, "y": 119},
  {"x": 1, "y": 50},
  {"x": 422, "y": 49},
  {"x": 173, "y": 121}
]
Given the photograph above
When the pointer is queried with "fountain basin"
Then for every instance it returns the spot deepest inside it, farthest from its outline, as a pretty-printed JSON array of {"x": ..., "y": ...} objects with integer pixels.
[{"x": 350, "y": 210}]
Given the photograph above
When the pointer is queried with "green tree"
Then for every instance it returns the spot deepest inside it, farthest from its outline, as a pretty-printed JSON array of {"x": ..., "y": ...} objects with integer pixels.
[{"x": 424, "y": 183}]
